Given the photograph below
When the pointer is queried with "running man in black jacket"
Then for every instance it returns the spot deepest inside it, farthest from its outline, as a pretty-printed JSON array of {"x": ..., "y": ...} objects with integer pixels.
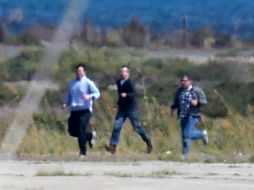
[{"x": 127, "y": 108}]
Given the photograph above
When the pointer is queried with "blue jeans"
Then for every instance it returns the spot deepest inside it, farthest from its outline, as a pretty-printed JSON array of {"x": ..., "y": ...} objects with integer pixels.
[
  {"x": 189, "y": 133},
  {"x": 120, "y": 118}
]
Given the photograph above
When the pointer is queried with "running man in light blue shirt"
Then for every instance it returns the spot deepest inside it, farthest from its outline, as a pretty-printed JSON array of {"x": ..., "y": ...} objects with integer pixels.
[{"x": 81, "y": 93}]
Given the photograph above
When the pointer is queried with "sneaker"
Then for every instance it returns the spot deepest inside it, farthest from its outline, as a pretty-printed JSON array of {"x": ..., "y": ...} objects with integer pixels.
[
  {"x": 205, "y": 137},
  {"x": 149, "y": 146},
  {"x": 184, "y": 157},
  {"x": 82, "y": 156},
  {"x": 111, "y": 148},
  {"x": 93, "y": 139}
]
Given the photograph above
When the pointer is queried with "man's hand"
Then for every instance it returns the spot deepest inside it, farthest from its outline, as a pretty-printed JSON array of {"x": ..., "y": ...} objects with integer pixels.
[
  {"x": 115, "y": 108},
  {"x": 194, "y": 102},
  {"x": 87, "y": 97},
  {"x": 64, "y": 106},
  {"x": 172, "y": 112},
  {"x": 123, "y": 95}
]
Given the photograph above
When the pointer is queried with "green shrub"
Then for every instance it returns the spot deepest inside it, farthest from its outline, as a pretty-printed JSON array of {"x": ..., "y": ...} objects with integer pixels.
[{"x": 216, "y": 107}]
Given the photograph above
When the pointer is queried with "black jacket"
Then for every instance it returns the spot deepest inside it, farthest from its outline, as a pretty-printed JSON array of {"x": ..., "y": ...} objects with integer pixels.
[{"x": 129, "y": 102}]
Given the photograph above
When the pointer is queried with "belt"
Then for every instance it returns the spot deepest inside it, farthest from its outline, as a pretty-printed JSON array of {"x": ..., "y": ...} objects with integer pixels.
[
  {"x": 81, "y": 111},
  {"x": 191, "y": 117}
]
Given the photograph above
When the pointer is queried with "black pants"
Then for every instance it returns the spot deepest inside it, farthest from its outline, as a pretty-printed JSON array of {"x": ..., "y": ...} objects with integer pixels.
[{"x": 77, "y": 124}]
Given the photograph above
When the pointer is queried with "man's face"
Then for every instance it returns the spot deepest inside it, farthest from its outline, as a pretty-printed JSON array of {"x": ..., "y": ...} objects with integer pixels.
[
  {"x": 124, "y": 73},
  {"x": 80, "y": 72},
  {"x": 185, "y": 82}
]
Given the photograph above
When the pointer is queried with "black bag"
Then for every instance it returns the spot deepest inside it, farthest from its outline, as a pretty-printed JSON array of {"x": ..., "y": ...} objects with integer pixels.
[{"x": 200, "y": 95}]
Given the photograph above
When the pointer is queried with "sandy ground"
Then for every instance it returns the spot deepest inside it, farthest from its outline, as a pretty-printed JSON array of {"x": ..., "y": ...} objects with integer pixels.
[{"x": 147, "y": 175}]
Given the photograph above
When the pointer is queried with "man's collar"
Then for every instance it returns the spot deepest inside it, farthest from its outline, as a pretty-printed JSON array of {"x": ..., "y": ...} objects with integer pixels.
[
  {"x": 124, "y": 79},
  {"x": 79, "y": 79},
  {"x": 189, "y": 88}
]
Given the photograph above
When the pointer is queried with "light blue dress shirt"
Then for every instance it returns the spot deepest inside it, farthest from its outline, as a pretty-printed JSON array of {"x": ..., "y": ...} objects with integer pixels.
[{"x": 77, "y": 89}]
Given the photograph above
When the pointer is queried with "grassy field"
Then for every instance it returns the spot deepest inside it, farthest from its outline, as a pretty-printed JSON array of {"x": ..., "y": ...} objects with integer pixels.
[{"x": 228, "y": 116}]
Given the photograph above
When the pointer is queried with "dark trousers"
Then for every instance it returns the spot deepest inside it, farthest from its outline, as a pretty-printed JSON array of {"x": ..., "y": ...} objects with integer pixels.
[{"x": 78, "y": 122}]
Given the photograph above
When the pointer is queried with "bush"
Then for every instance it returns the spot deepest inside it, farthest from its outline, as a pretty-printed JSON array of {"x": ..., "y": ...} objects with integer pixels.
[
  {"x": 54, "y": 97},
  {"x": 22, "y": 67},
  {"x": 223, "y": 41},
  {"x": 49, "y": 122},
  {"x": 135, "y": 34},
  {"x": 27, "y": 39},
  {"x": 8, "y": 94},
  {"x": 238, "y": 95},
  {"x": 216, "y": 107}
]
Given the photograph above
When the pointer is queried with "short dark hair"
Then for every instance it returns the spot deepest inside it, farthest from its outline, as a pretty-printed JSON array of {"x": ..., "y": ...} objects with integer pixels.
[{"x": 80, "y": 65}]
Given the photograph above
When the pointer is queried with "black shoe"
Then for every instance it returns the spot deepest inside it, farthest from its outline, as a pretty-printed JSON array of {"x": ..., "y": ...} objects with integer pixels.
[
  {"x": 90, "y": 144},
  {"x": 149, "y": 146},
  {"x": 111, "y": 149}
]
